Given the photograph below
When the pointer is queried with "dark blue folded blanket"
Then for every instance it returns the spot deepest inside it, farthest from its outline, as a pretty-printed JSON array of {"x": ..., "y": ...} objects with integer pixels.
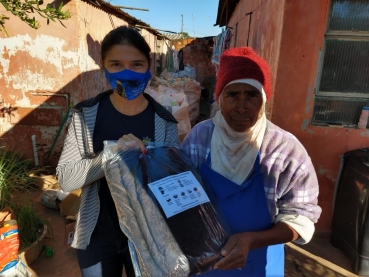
[{"x": 192, "y": 239}]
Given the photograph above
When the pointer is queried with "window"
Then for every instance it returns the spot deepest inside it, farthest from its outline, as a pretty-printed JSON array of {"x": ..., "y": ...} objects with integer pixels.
[{"x": 342, "y": 88}]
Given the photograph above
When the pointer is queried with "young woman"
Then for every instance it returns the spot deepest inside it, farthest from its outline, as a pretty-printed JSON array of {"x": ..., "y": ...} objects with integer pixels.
[{"x": 125, "y": 113}]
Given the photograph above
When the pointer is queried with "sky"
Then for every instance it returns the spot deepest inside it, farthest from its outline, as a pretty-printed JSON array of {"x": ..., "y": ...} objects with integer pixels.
[{"x": 199, "y": 16}]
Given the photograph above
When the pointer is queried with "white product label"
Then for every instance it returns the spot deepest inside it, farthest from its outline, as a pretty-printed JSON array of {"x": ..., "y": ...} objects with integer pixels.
[{"x": 178, "y": 193}]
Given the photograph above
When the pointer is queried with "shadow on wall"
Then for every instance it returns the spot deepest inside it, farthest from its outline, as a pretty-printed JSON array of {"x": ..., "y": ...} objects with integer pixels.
[
  {"x": 94, "y": 48},
  {"x": 38, "y": 132}
]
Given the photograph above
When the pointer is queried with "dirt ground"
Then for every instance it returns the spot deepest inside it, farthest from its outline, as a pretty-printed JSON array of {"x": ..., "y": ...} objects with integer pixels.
[
  {"x": 318, "y": 258},
  {"x": 64, "y": 261}
]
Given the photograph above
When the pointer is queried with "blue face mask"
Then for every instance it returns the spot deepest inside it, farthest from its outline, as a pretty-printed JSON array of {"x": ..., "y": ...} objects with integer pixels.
[{"x": 127, "y": 83}]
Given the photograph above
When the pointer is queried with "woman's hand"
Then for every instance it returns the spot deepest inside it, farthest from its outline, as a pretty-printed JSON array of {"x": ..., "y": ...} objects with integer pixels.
[
  {"x": 235, "y": 252},
  {"x": 237, "y": 248},
  {"x": 130, "y": 141}
]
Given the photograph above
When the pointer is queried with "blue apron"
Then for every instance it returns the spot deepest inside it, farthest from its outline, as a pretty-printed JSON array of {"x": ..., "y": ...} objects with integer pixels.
[{"x": 245, "y": 208}]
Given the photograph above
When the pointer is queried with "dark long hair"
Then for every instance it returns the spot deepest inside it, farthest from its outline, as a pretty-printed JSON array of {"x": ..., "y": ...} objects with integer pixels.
[{"x": 124, "y": 35}]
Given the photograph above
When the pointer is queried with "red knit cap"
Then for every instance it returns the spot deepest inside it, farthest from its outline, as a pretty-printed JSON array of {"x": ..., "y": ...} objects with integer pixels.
[{"x": 242, "y": 63}]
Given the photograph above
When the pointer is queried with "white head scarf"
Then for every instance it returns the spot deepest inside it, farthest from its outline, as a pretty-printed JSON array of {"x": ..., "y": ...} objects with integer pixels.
[{"x": 233, "y": 154}]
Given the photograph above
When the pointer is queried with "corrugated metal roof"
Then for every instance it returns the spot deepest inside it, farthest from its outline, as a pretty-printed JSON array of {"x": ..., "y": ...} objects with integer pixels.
[
  {"x": 225, "y": 10},
  {"x": 130, "y": 19},
  {"x": 173, "y": 36}
]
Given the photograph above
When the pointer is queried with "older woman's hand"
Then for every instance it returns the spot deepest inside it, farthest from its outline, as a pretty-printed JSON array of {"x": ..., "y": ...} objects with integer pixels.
[
  {"x": 130, "y": 141},
  {"x": 235, "y": 252},
  {"x": 237, "y": 248}
]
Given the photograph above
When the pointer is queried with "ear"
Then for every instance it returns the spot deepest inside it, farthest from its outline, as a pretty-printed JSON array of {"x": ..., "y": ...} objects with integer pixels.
[
  {"x": 102, "y": 64},
  {"x": 218, "y": 101}
]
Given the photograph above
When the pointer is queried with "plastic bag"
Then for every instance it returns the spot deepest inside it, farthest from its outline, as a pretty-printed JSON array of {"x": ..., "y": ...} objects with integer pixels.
[
  {"x": 189, "y": 72},
  {"x": 165, "y": 210},
  {"x": 10, "y": 262},
  {"x": 176, "y": 103},
  {"x": 193, "y": 93},
  {"x": 18, "y": 269},
  {"x": 9, "y": 244}
]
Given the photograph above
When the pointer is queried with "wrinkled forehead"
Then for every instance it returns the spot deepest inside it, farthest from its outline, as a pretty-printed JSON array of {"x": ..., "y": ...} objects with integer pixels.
[{"x": 251, "y": 82}]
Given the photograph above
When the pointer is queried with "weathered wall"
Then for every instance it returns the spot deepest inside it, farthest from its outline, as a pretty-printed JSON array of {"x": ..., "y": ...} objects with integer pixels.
[
  {"x": 51, "y": 60},
  {"x": 43, "y": 60},
  {"x": 180, "y": 43},
  {"x": 301, "y": 44},
  {"x": 198, "y": 55},
  {"x": 265, "y": 32}
]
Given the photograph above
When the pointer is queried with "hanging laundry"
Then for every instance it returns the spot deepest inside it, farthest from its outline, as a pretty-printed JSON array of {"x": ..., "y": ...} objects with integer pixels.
[
  {"x": 221, "y": 43},
  {"x": 180, "y": 60},
  {"x": 170, "y": 62},
  {"x": 217, "y": 49},
  {"x": 227, "y": 40},
  {"x": 175, "y": 60}
]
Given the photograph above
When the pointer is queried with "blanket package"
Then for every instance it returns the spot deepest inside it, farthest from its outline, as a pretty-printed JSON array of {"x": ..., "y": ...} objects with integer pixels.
[{"x": 165, "y": 209}]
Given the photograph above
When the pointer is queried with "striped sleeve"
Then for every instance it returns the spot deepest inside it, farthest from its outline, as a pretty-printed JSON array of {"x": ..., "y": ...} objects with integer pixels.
[
  {"x": 73, "y": 171},
  {"x": 165, "y": 131}
]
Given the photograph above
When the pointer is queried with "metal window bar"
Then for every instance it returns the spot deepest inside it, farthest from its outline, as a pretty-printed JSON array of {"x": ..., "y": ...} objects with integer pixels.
[
  {"x": 345, "y": 66},
  {"x": 343, "y": 78},
  {"x": 344, "y": 112},
  {"x": 350, "y": 15}
]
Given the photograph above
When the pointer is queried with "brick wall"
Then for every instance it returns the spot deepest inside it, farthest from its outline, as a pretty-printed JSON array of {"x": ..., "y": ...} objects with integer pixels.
[
  {"x": 180, "y": 43},
  {"x": 198, "y": 55}
]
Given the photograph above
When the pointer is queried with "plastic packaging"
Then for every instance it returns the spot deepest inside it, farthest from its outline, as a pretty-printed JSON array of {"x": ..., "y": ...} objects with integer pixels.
[
  {"x": 165, "y": 209},
  {"x": 49, "y": 198},
  {"x": 9, "y": 244},
  {"x": 363, "y": 121},
  {"x": 10, "y": 263},
  {"x": 181, "y": 96},
  {"x": 18, "y": 270},
  {"x": 175, "y": 102}
]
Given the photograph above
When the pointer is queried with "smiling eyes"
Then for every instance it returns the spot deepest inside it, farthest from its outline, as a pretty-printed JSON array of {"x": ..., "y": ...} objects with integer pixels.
[
  {"x": 135, "y": 65},
  {"x": 116, "y": 64}
]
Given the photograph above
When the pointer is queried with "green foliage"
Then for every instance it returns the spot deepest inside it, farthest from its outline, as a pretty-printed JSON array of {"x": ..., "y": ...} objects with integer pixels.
[
  {"x": 23, "y": 9},
  {"x": 185, "y": 34},
  {"x": 13, "y": 175},
  {"x": 14, "y": 178},
  {"x": 30, "y": 225}
]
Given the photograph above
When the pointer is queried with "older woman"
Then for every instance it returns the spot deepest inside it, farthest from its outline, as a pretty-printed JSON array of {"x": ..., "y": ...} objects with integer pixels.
[{"x": 261, "y": 175}]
